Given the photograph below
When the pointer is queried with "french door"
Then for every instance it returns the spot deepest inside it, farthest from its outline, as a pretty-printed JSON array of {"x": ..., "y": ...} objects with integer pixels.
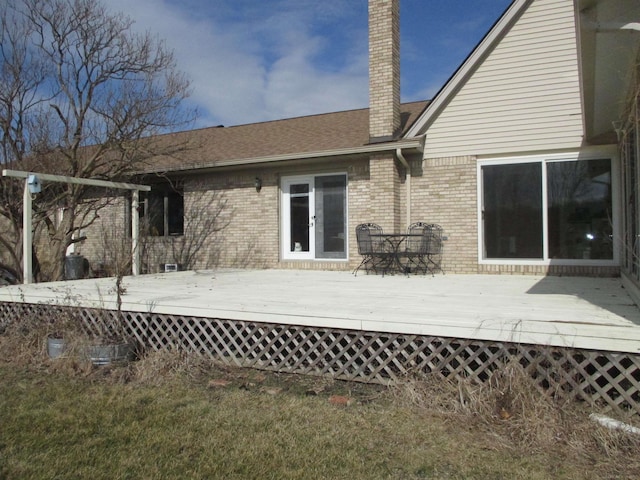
[{"x": 314, "y": 215}]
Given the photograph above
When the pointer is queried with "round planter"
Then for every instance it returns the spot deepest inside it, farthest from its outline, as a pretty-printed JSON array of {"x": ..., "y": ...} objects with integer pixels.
[
  {"x": 55, "y": 347},
  {"x": 110, "y": 353}
]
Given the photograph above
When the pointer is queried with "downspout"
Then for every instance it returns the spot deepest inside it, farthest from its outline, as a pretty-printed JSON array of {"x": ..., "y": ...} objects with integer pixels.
[{"x": 408, "y": 168}]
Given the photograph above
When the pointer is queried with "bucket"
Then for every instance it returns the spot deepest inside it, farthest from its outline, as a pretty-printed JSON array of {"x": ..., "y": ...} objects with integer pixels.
[
  {"x": 74, "y": 267},
  {"x": 55, "y": 347},
  {"x": 110, "y": 353}
]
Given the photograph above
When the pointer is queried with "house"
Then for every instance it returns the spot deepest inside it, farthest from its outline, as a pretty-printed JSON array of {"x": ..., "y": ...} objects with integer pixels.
[
  {"x": 528, "y": 157},
  {"x": 518, "y": 158}
]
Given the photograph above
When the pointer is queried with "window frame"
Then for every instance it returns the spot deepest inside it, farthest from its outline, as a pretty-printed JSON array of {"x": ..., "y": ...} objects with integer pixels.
[{"x": 602, "y": 153}]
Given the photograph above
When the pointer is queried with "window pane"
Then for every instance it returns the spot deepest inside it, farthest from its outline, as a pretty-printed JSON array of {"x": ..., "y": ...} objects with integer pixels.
[
  {"x": 155, "y": 213},
  {"x": 175, "y": 212},
  {"x": 162, "y": 209},
  {"x": 299, "y": 212},
  {"x": 579, "y": 199},
  {"x": 512, "y": 214}
]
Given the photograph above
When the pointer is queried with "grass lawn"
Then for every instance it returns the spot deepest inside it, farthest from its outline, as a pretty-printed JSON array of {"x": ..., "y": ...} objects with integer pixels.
[{"x": 153, "y": 420}]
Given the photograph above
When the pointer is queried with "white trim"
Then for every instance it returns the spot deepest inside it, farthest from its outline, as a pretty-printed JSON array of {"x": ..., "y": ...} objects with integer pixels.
[
  {"x": 287, "y": 255},
  {"x": 76, "y": 180},
  {"x": 286, "y": 218},
  {"x": 612, "y": 27},
  {"x": 595, "y": 153},
  {"x": 545, "y": 211}
]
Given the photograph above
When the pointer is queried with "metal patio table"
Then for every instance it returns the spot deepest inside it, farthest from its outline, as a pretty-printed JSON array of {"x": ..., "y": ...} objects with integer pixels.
[{"x": 392, "y": 251}]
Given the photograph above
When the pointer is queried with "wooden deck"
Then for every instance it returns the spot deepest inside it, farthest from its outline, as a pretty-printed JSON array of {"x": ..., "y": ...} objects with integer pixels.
[{"x": 585, "y": 313}]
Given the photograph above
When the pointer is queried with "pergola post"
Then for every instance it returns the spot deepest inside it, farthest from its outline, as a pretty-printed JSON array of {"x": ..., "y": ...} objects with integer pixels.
[
  {"x": 135, "y": 232},
  {"x": 27, "y": 238}
]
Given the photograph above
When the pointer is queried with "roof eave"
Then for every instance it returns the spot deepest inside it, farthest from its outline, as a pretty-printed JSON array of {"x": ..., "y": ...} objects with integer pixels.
[{"x": 415, "y": 144}]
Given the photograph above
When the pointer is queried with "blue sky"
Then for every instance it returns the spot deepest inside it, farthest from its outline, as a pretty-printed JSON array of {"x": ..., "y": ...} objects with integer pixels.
[{"x": 257, "y": 60}]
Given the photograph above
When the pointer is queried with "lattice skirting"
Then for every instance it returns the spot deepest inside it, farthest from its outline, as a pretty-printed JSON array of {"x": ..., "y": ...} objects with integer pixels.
[{"x": 610, "y": 380}]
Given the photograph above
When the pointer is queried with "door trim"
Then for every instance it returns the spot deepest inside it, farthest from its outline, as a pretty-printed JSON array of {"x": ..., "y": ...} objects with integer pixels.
[
  {"x": 310, "y": 179},
  {"x": 285, "y": 230}
]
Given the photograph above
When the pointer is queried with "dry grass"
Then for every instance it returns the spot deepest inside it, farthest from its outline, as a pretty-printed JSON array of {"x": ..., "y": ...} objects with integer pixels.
[
  {"x": 283, "y": 426},
  {"x": 516, "y": 415}
]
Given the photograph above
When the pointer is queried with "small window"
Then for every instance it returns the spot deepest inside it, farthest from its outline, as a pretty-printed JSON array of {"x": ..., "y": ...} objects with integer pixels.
[{"x": 162, "y": 211}]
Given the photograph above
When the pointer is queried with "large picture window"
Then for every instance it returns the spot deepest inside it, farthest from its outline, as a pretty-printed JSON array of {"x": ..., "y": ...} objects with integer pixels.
[{"x": 547, "y": 210}]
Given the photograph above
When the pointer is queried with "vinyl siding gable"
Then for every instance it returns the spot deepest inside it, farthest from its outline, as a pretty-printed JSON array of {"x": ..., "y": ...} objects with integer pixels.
[{"x": 524, "y": 96}]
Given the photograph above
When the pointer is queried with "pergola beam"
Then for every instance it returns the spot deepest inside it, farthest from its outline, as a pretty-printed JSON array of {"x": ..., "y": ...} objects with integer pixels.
[
  {"x": 77, "y": 180},
  {"x": 27, "y": 218}
]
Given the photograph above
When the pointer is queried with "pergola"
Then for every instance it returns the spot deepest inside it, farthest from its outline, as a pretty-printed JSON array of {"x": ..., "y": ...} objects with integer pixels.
[{"x": 31, "y": 178}]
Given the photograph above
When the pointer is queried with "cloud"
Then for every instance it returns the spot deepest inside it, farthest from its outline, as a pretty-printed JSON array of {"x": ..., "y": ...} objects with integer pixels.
[{"x": 255, "y": 61}]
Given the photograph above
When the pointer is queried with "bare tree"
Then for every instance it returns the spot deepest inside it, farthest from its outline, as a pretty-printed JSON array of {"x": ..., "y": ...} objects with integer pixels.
[
  {"x": 80, "y": 95},
  {"x": 206, "y": 213},
  {"x": 205, "y": 216},
  {"x": 22, "y": 75}
]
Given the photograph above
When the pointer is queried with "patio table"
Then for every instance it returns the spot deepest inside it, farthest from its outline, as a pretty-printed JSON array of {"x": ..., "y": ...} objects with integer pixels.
[{"x": 392, "y": 251}]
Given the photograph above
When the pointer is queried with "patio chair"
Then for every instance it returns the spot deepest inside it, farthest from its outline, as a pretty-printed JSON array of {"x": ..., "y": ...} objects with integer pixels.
[
  {"x": 434, "y": 248},
  {"x": 370, "y": 248},
  {"x": 416, "y": 248}
]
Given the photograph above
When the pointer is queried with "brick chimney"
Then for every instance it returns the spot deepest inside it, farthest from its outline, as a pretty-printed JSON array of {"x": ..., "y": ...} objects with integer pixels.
[{"x": 384, "y": 69}]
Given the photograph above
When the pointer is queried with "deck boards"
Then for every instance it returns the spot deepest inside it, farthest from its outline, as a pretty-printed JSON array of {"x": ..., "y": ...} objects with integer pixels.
[{"x": 592, "y": 313}]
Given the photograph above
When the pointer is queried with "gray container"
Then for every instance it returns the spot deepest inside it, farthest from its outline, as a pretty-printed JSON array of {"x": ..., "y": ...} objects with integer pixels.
[
  {"x": 108, "y": 354},
  {"x": 74, "y": 267},
  {"x": 55, "y": 347}
]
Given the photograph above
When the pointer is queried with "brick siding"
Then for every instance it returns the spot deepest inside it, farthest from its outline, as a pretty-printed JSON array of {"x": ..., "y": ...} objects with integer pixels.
[{"x": 443, "y": 192}]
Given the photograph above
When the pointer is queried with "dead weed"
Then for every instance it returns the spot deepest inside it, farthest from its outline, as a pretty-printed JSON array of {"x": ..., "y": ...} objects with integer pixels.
[{"x": 514, "y": 413}]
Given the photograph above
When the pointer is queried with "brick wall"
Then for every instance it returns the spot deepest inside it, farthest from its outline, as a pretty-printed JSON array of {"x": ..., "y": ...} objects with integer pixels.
[
  {"x": 108, "y": 243},
  {"x": 445, "y": 193},
  {"x": 250, "y": 235},
  {"x": 360, "y": 208},
  {"x": 384, "y": 192}
]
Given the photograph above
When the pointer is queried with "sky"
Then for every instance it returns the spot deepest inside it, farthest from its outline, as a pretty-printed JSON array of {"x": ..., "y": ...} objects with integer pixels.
[{"x": 259, "y": 60}]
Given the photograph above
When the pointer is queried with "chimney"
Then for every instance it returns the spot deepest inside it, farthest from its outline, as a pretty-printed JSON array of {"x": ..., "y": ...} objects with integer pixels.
[{"x": 384, "y": 70}]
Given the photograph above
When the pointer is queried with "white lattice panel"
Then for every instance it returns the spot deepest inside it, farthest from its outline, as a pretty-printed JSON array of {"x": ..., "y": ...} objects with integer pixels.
[{"x": 609, "y": 379}]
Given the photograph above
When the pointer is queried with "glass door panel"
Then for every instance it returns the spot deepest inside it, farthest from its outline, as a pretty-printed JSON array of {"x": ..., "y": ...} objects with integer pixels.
[
  {"x": 580, "y": 210},
  {"x": 330, "y": 216},
  {"x": 299, "y": 222},
  {"x": 512, "y": 211}
]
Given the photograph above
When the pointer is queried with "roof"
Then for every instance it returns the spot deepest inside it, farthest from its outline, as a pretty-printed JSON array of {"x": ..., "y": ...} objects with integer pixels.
[{"x": 300, "y": 137}]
